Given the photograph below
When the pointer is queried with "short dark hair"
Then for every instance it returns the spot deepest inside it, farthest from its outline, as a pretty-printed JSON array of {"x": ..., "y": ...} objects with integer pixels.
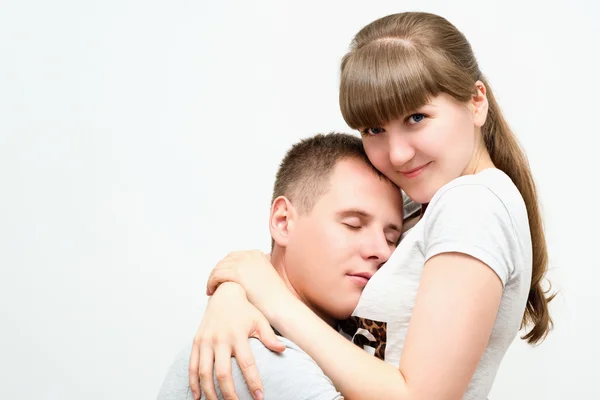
[{"x": 303, "y": 175}]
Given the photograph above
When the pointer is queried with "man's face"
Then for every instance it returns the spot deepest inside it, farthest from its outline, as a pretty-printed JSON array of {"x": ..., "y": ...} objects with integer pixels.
[{"x": 350, "y": 232}]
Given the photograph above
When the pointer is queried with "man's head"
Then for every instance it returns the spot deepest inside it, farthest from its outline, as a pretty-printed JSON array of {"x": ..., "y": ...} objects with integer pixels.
[{"x": 334, "y": 220}]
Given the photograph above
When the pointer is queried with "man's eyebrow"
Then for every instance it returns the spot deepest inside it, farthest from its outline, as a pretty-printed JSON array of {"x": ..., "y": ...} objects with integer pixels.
[
  {"x": 355, "y": 212},
  {"x": 394, "y": 227}
]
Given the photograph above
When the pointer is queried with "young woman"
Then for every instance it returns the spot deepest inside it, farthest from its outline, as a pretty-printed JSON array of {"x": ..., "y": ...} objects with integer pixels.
[{"x": 438, "y": 317}]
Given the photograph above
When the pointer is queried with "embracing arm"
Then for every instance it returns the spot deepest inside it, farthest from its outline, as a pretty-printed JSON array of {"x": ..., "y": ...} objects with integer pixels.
[
  {"x": 220, "y": 337},
  {"x": 454, "y": 312},
  {"x": 453, "y": 317}
]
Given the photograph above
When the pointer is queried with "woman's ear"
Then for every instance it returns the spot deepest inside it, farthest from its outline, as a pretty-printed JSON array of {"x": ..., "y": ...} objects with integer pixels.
[
  {"x": 479, "y": 103},
  {"x": 282, "y": 219}
]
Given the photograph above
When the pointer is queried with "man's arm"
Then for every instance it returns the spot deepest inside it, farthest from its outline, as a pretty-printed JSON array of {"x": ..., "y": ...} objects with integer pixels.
[
  {"x": 291, "y": 375},
  {"x": 176, "y": 384}
]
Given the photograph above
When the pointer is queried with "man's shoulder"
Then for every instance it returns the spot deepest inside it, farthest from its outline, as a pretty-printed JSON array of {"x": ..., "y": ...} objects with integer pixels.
[
  {"x": 292, "y": 374},
  {"x": 257, "y": 345},
  {"x": 270, "y": 362}
]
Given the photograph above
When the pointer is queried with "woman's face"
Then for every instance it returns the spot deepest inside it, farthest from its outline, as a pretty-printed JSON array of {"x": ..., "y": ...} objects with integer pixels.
[{"x": 433, "y": 145}]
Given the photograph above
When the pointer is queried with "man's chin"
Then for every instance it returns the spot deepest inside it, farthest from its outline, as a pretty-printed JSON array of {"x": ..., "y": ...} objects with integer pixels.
[{"x": 346, "y": 311}]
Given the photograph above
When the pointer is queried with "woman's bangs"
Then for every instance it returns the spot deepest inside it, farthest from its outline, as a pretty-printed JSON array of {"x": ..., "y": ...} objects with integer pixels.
[{"x": 384, "y": 81}]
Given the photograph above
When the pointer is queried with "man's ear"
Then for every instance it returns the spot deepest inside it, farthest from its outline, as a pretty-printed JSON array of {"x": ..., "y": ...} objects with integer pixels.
[
  {"x": 282, "y": 219},
  {"x": 479, "y": 103}
]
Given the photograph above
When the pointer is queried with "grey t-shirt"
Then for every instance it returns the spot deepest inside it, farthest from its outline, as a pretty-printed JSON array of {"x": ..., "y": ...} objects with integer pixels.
[{"x": 291, "y": 375}]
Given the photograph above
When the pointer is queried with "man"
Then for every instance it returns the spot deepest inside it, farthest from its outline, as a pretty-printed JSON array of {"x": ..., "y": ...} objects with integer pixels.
[{"x": 334, "y": 221}]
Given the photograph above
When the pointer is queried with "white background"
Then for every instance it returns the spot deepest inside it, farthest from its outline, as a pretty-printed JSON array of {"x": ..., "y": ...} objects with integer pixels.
[{"x": 139, "y": 142}]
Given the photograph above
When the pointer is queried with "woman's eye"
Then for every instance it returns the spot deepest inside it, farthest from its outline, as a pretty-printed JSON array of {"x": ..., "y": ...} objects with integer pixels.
[
  {"x": 372, "y": 131},
  {"x": 415, "y": 118}
]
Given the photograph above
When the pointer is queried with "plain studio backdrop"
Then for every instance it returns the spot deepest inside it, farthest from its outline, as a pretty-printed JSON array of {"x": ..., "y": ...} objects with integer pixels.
[{"x": 139, "y": 142}]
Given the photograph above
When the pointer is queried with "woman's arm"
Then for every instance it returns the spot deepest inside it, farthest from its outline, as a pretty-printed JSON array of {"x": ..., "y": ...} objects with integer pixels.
[
  {"x": 226, "y": 326},
  {"x": 452, "y": 320}
]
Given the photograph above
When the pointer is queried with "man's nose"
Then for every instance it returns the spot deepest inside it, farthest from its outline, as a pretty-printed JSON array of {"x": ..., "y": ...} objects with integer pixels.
[{"x": 377, "y": 249}]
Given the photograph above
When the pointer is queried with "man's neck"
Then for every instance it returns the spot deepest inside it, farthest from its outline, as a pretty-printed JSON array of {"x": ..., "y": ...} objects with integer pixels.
[{"x": 278, "y": 261}]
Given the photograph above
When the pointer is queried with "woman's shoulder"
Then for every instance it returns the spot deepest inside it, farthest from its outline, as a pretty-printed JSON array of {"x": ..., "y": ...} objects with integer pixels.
[
  {"x": 483, "y": 215},
  {"x": 484, "y": 203},
  {"x": 490, "y": 187}
]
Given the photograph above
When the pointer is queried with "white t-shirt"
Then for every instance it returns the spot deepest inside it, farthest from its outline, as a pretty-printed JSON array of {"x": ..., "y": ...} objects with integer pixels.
[{"x": 482, "y": 215}]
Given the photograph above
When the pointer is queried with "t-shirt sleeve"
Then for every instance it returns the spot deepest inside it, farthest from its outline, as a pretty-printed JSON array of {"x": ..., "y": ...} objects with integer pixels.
[
  {"x": 291, "y": 375},
  {"x": 473, "y": 220},
  {"x": 176, "y": 384}
]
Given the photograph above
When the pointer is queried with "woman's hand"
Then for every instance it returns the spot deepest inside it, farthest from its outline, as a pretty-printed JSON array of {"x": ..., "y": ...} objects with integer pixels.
[
  {"x": 253, "y": 270},
  {"x": 227, "y": 324}
]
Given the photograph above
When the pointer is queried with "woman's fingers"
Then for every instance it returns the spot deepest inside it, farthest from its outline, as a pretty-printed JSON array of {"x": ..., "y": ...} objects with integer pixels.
[
  {"x": 223, "y": 355},
  {"x": 265, "y": 333},
  {"x": 193, "y": 373},
  {"x": 205, "y": 367},
  {"x": 245, "y": 359}
]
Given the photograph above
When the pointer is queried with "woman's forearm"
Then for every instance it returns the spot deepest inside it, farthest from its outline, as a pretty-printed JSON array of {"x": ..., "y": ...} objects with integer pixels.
[{"x": 354, "y": 372}]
